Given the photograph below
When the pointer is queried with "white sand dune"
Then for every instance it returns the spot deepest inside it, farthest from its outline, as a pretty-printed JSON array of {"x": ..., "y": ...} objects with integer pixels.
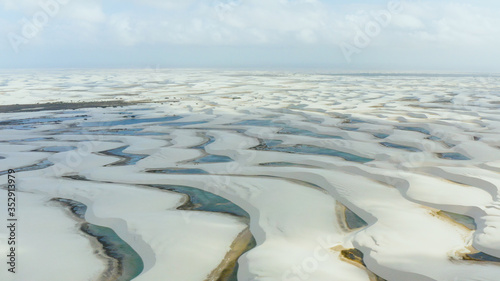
[{"x": 416, "y": 158}]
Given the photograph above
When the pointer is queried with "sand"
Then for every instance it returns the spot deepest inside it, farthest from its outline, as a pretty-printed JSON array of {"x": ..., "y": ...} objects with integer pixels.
[{"x": 290, "y": 149}]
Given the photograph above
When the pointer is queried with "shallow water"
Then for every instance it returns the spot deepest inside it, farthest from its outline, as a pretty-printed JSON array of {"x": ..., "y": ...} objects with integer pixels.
[
  {"x": 399, "y": 146},
  {"x": 434, "y": 138},
  {"x": 127, "y": 159},
  {"x": 18, "y": 127},
  {"x": 285, "y": 164},
  {"x": 42, "y": 120},
  {"x": 123, "y": 132},
  {"x": 57, "y": 148},
  {"x": 353, "y": 220},
  {"x": 213, "y": 159},
  {"x": 38, "y": 166},
  {"x": 483, "y": 257},
  {"x": 301, "y": 132},
  {"x": 452, "y": 156},
  {"x": 180, "y": 124},
  {"x": 29, "y": 140},
  {"x": 315, "y": 150},
  {"x": 201, "y": 200},
  {"x": 369, "y": 100},
  {"x": 203, "y": 145},
  {"x": 467, "y": 221},
  {"x": 206, "y": 201},
  {"x": 179, "y": 171},
  {"x": 131, "y": 264},
  {"x": 285, "y": 129},
  {"x": 234, "y": 275},
  {"x": 414, "y": 129},
  {"x": 129, "y": 121},
  {"x": 353, "y": 129}
]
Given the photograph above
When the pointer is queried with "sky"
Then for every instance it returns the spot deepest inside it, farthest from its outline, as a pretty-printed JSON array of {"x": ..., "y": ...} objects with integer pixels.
[{"x": 359, "y": 35}]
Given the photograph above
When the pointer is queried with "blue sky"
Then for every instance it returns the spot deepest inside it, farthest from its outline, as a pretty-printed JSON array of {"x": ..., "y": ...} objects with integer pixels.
[{"x": 461, "y": 36}]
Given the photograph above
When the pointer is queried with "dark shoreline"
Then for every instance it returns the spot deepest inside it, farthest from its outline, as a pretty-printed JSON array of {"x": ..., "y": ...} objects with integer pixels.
[{"x": 12, "y": 108}]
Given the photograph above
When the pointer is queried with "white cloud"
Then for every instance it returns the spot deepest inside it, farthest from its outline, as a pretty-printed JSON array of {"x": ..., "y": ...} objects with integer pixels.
[
  {"x": 406, "y": 21},
  {"x": 88, "y": 11},
  {"x": 23, "y": 5},
  {"x": 268, "y": 22},
  {"x": 422, "y": 26},
  {"x": 167, "y": 4}
]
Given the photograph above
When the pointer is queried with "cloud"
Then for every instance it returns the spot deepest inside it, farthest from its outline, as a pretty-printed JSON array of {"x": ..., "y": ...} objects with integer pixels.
[
  {"x": 264, "y": 22},
  {"x": 86, "y": 11},
  {"x": 421, "y": 26},
  {"x": 23, "y": 5},
  {"x": 174, "y": 5}
]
